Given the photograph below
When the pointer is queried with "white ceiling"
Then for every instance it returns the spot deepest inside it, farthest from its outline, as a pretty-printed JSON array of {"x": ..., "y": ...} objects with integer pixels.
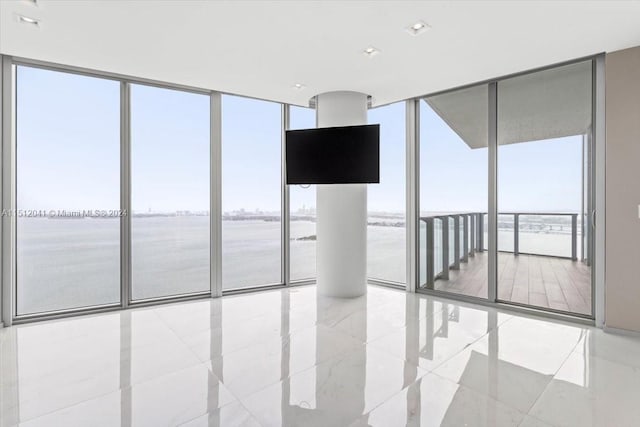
[{"x": 261, "y": 48}]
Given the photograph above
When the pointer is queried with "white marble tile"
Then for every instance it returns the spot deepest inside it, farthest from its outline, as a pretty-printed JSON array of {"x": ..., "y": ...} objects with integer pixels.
[
  {"x": 383, "y": 319},
  {"x": 508, "y": 383},
  {"x": 166, "y": 401},
  {"x": 300, "y": 298},
  {"x": 55, "y": 331},
  {"x": 333, "y": 393},
  {"x": 253, "y": 368},
  {"x": 49, "y": 394},
  {"x": 530, "y": 421},
  {"x": 515, "y": 362},
  {"x": 389, "y": 295},
  {"x": 42, "y": 378},
  {"x": 330, "y": 311},
  {"x": 91, "y": 379},
  {"x": 614, "y": 347},
  {"x": 9, "y": 416},
  {"x": 431, "y": 340},
  {"x": 590, "y": 391},
  {"x": 368, "y": 325},
  {"x": 434, "y": 401},
  {"x": 293, "y": 358},
  {"x": 192, "y": 317},
  {"x": 103, "y": 411},
  {"x": 538, "y": 344},
  {"x": 251, "y": 305},
  {"x": 200, "y": 316},
  {"x": 231, "y": 415},
  {"x": 232, "y": 336},
  {"x": 151, "y": 361},
  {"x": 39, "y": 355}
]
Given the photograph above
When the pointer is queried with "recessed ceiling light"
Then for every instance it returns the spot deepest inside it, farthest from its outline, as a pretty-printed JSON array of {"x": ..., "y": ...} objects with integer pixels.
[
  {"x": 371, "y": 51},
  {"x": 298, "y": 86},
  {"x": 417, "y": 28},
  {"x": 27, "y": 20}
]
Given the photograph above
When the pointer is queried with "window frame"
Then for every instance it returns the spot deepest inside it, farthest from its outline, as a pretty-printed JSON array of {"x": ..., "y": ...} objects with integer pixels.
[
  {"x": 8, "y": 294},
  {"x": 597, "y": 140},
  {"x": 7, "y": 184}
]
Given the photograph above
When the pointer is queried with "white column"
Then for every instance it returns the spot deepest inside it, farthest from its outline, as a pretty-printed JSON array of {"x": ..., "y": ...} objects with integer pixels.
[{"x": 341, "y": 226}]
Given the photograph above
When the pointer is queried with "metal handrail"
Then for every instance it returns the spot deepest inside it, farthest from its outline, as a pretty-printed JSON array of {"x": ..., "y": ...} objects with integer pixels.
[{"x": 474, "y": 242}]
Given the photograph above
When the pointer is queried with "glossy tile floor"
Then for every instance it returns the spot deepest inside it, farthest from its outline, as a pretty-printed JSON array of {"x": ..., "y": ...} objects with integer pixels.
[{"x": 289, "y": 358}]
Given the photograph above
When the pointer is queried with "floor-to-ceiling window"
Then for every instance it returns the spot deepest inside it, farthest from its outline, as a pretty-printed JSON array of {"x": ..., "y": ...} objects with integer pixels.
[
  {"x": 544, "y": 192},
  {"x": 67, "y": 191},
  {"x": 251, "y": 192},
  {"x": 302, "y": 202},
  {"x": 68, "y": 172},
  {"x": 454, "y": 192},
  {"x": 170, "y": 179},
  {"x": 386, "y": 235},
  {"x": 544, "y": 127}
]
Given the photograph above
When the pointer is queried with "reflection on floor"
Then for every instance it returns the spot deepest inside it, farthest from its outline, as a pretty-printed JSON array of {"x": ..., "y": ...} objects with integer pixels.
[
  {"x": 290, "y": 358},
  {"x": 547, "y": 282}
]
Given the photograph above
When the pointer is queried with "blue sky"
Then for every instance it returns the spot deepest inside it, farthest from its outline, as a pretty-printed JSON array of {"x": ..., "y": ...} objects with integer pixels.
[
  {"x": 169, "y": 150},
  {"x": 69, "y": 144},
  {"x": 68, "y": 141},
  {"x": 251, "y": 152},
  {"x": 389, "y": 195},
  {"x": 533, "y": 176}
]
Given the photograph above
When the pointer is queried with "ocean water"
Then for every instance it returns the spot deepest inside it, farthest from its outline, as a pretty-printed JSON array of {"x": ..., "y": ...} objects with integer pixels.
[{"x": 70, "y": 263}]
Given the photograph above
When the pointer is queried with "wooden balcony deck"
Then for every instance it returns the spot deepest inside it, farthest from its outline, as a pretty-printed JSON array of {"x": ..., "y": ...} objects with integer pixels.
[{"x": 547, "y": 282}]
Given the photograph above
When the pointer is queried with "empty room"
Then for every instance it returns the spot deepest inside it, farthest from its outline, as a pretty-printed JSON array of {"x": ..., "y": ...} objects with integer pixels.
[{"x": 291, "y": 213}]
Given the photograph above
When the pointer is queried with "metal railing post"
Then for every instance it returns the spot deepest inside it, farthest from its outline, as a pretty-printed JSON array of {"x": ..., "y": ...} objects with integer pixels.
[
  {"x": 574, "y": 237},
  {"x": 480, "y": 228},
  {"x": 472, "y": 240},
  {"x": 516, "y": 234},
  {"x": 465, "y": 238},
  {"x": 445, "y": 248},
  {"x": 430, "y": 254},
  {"x": 472, "y": 221},
  {"x": 456, "y": 242}
]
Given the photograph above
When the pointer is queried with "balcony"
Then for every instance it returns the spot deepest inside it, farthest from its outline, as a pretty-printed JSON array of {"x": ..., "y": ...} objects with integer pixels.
[{"x": 541, "y": 261}]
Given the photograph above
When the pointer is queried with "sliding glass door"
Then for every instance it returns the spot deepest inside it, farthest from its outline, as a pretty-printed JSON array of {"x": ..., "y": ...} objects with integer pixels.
[
  {"x": 170, "y": 232},
  {"x": 67, "y": 191},
  {"x": 454, "y": 192},
  {"x": 544, "y": 126},
  {"x": 544, "y": 193}
]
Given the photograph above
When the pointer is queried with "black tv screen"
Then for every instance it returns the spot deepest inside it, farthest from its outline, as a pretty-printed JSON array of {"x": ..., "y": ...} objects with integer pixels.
[{"x": 336, "y": 155}]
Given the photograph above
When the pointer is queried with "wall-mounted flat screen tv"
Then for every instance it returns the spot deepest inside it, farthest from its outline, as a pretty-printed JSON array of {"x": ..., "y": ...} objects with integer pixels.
[{"x": 335, "y": 155}]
